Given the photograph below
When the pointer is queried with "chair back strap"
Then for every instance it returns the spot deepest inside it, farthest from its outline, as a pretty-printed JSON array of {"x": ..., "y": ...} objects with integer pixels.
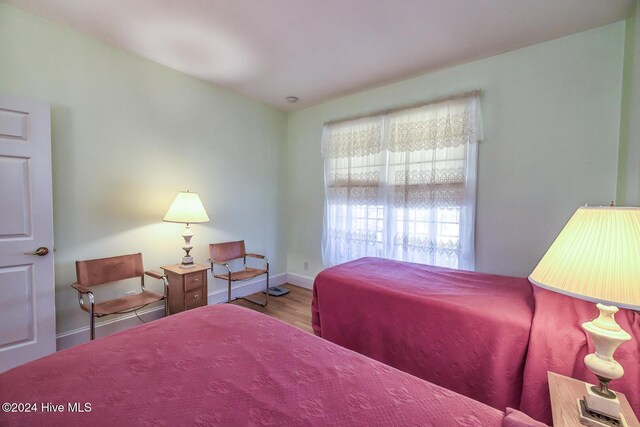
[
  {"x": 221, "y": 252},
  {"x": 104, "y": 270}
]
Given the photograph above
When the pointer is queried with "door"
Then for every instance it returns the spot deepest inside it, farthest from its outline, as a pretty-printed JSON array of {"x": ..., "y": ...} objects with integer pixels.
[{"x": 27, "y": 290}]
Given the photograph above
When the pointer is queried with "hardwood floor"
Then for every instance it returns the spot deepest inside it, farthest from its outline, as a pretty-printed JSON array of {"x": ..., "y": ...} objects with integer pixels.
[{"x": 293, "y": 308}]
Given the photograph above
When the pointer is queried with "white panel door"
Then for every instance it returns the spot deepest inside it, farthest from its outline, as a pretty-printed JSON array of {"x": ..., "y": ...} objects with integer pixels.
[{"x": 27, "y": 290}]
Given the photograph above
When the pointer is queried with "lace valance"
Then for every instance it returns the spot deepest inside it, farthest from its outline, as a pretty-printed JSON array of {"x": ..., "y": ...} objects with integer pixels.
[
  {"x": 353, "y": 139},
  {"x": 443, "y": 124},
  {"x": 447, "y": 124}
]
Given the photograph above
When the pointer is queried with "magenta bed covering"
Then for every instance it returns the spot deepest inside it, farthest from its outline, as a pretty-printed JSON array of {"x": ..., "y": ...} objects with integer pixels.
[
  {"x": 228, "y": 366},
  {"x": 559, "y": 344},
  {"x": 465, "y": 331}
]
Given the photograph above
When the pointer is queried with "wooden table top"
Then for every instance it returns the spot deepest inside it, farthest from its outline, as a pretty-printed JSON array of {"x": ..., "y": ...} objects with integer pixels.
[{"x": 566, "y": 391}]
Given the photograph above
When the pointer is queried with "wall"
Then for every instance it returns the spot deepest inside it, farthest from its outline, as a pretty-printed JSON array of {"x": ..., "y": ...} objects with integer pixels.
[
  {"x": 127, "y": 135},
  {"x": 629, "y": 158},
  {"x": 551, "y": 125}
]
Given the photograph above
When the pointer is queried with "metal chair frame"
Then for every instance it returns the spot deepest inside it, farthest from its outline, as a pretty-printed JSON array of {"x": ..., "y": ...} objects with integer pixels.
[{"x": 229, "y": 274}]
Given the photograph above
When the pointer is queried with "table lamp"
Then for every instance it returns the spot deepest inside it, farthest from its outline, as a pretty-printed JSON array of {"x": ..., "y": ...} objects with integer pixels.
[
  {"x": 596, "y": 257},
  {"x": 187, "y": 208}
]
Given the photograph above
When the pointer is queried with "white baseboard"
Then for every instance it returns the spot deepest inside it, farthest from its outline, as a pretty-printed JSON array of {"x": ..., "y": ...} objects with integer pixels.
[
  {"x": 245, "y": 288},
  {"x": 302, "y": 281},
  {"x": 107, "y": 327}
]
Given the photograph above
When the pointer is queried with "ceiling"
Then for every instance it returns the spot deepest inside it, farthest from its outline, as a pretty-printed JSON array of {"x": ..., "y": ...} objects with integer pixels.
[{"x": 318, "y": 50}]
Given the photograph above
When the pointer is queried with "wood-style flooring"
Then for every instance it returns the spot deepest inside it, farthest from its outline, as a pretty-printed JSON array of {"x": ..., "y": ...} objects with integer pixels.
[{"x": 293, "y": 308}]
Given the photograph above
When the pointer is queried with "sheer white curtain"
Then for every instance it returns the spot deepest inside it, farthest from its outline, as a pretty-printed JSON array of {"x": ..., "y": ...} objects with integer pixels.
[
  {"x": 403, "y": 185},
  {"x": 432, "y": 171},
  {"x": 354, "y": 190}
]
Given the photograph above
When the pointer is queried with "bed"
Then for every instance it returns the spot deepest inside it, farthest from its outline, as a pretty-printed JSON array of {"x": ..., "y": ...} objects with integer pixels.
[
  {"x": 477, "y": 334},
  {"x": 465, "y": 331},
  {"x": 226, "y": 365}
]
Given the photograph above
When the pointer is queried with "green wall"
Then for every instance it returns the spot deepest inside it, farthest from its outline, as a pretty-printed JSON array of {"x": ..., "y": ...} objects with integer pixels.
[
  {"x": 127, "y": 135},
  {"x": 629, "y": 156},
  {"x": 551, "y": 131}
]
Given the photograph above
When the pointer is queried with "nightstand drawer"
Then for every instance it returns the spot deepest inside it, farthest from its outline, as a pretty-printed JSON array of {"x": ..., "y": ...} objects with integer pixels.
[
  {"x": 195, "y": 298},
  {"x": 193, "y": 281}
]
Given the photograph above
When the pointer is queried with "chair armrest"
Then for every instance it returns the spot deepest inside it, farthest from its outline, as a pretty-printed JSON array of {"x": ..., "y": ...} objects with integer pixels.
[
  {"x": 84, "y": 291},
  {"x": 154, "y": 274},
  {"x": 257, "y": 256},
  {"x": 262, "y": 257},
  {"x": 221, "y": 264},
  {"x": 81, "y": 289},
  {"x": 159, "y": 276}
]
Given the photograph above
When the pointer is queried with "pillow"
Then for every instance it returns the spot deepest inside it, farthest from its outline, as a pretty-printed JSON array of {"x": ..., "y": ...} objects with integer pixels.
[{"x": 515, "y": 418}]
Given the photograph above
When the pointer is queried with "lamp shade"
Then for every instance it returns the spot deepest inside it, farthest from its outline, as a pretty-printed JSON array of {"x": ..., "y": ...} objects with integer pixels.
[
  {"x": 186, "y": 208},
  {"x": 596, "y": 257}
]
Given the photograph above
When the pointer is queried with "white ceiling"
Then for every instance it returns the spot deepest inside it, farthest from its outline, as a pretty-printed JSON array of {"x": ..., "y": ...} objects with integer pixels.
[{"x": 322, "y": 49}]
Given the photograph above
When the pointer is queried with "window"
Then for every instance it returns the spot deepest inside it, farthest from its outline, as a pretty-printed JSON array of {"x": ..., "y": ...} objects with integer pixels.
[{"x": 402, "y": 185}]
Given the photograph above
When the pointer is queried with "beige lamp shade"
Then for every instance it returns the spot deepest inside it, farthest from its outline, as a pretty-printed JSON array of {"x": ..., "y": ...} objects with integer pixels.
[
  {"x": 186, "y": 208},
  {"x": 596, "y": 257}
]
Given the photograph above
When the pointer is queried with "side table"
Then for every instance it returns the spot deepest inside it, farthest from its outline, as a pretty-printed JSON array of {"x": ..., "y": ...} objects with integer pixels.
[{"x": 187, "y": 287}]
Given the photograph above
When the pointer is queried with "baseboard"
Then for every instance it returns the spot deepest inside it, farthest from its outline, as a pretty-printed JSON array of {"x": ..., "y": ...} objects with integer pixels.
[
  {"x": 107, "y": 327},
  {"x": 302, "y": 281},
  {"x": 244, "y": 289}
]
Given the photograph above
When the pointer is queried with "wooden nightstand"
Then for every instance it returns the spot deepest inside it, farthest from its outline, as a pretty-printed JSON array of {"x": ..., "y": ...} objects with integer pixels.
[
  {"x": 566, "y": 391},
  {"x": 187, "y": 287}
]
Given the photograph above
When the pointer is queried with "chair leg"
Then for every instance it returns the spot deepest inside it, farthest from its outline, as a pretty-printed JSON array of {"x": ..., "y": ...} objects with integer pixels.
[
  {"x": 92, "y": 321},
  {"x": 92, "y": 326},
  {"x": 166, "y": 296},
  {"x": 266, "y": 297}
]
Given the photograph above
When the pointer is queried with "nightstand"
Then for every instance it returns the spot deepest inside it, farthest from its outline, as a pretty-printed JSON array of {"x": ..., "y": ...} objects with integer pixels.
[
  {"x": 187, "y": 287},
  {"x": 565, "y": 393}
]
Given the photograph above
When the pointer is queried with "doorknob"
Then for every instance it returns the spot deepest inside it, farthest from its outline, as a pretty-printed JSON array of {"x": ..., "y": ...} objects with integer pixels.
[{"x": 41, "y": 251}]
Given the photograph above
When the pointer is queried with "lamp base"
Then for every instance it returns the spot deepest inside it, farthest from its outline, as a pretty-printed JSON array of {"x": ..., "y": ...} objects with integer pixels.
[
  {"x": 599, "y": 402},
  {"x": 605, "y": 403},
  {"x": 187, "y": 262},
  {"x": 593, "y": 418},
  {"x": 192, "y": 265}
]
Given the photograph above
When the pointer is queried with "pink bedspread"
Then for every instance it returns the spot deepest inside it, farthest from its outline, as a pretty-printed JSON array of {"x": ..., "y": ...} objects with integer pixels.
[
  {"x": 465, "y": 331},
  {"x": 227, "y": 366},
  {"x": 558, "y": 344}
]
